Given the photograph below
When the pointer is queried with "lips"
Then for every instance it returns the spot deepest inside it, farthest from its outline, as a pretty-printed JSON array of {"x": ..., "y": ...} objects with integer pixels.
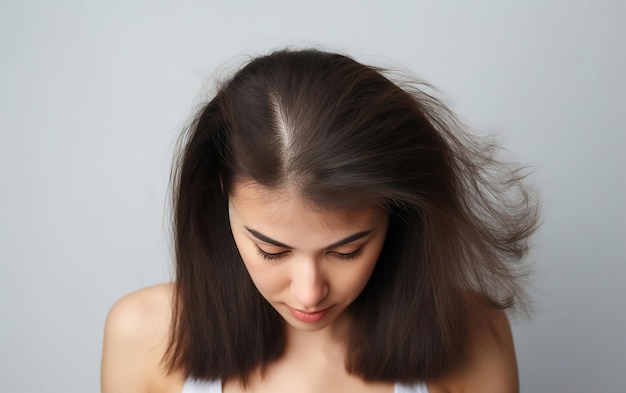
[{"x": 309, "y": 317}]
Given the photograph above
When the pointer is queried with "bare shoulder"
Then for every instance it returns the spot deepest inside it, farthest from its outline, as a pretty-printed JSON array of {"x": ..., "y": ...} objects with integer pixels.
[
  {"x": 135, "y": 340},
  {"x": 491, "y": 366},
  {"x": 152, "y": 304}
]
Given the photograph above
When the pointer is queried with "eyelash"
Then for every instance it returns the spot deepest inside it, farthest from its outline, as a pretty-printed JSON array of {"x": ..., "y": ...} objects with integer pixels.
[
  {"x": 270, "y": 257},
  {"x": 353, "y": 255}
]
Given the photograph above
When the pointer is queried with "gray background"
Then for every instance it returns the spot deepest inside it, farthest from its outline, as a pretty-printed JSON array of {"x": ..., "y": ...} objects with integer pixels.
[{"x": 93, "y": 95}]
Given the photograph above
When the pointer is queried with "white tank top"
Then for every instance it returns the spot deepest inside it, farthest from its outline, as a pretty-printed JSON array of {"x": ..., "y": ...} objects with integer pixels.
[{"x": 194, "y": 386}]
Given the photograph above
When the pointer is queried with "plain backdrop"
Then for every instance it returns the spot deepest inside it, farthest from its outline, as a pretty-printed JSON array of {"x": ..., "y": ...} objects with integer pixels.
[{"x": 94, "y": 93}]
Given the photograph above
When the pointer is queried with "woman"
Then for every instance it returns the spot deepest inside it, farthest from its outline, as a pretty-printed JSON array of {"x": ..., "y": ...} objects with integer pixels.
[{"x": 334, "y": 232}]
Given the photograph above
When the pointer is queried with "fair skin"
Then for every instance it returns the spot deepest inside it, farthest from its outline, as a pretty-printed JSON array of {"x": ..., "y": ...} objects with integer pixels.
[{"x": 310, "y": 264}]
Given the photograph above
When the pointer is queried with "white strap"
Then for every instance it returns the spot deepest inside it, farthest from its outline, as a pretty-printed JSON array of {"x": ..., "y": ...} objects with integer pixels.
[
  {"x": 196, "y": 386},
  {"x": 417, "y": 388}
]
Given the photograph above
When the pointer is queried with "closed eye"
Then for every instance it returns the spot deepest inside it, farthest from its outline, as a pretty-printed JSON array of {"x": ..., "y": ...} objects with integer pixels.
[
  {"x": 352, "y": 255},
  {"x": 269, "y": 255}
]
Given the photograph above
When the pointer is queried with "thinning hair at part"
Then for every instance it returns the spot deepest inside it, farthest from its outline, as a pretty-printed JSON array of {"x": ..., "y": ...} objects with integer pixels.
[
  {"x": 283, "y": 129},
  {"x": 341, "y": 133}
]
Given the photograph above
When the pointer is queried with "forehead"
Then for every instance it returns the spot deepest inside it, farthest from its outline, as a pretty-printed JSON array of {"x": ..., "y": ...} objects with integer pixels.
[{"x": 258, "y": 202}]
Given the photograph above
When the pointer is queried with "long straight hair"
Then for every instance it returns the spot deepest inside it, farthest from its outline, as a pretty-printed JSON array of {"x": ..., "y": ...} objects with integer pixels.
[{"x": 341, "y": 133}]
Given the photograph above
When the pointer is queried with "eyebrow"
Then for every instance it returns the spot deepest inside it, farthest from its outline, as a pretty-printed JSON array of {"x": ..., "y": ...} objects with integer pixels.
[{"x": 339, "y": 243}]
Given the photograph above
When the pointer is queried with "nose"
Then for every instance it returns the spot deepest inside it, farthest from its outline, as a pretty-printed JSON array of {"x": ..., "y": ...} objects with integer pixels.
[{"x": 308, "y": 284}]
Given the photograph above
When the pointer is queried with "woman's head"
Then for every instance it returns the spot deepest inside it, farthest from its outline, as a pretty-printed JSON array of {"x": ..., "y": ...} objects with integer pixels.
[
  {"x": 338, "y": 137},
  {"x": 308, "y": 263}
]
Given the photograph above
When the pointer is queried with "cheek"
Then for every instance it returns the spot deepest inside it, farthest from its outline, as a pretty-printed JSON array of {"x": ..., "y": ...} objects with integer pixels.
[
  {"x": 366, "y": 272},
  {"x": 265, "y": 277},
  {"x": 352, "y": 281}
]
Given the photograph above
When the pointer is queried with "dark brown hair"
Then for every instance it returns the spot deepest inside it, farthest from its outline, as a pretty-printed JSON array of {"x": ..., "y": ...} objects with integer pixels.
[{"x": 343, "y": 133}]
